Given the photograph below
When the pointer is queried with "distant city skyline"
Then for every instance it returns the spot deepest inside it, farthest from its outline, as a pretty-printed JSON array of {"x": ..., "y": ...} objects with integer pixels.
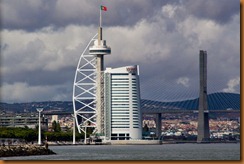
[{"x": 41, "y": 42}]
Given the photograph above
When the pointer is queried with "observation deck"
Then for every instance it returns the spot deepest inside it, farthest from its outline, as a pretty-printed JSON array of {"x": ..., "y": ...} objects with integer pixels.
[{"x": 101, "y": 49}]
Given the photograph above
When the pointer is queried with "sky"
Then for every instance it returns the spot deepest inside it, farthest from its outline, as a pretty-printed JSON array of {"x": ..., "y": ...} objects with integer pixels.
[{"x": 42, "y": 40}]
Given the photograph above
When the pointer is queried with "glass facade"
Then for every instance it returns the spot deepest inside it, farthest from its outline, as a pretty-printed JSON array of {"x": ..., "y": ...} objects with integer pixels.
[{"x": 122, "y": 103}]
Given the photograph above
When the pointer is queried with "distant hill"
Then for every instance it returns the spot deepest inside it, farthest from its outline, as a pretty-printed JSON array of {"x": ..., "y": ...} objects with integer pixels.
[
  {"x": 31, "y": 106},
  {"x": 216, "y": 101}
]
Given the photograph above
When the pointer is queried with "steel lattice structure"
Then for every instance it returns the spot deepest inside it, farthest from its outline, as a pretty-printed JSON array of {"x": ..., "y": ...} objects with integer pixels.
[
  {"x": 88, "y": 88},
  {"x": 84, "y": 91}
]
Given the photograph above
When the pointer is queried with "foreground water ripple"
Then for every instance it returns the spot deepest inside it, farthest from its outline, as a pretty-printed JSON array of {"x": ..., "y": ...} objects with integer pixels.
[{"x": 230, "y": 151}]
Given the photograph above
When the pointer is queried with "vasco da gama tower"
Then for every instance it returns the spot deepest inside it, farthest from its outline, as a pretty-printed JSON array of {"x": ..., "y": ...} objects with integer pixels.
[{"x": 107, "y": 101}]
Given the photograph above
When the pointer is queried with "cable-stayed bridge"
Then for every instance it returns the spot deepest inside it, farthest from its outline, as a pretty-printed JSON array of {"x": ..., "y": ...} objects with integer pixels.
[{"x": 217, "y": 102}]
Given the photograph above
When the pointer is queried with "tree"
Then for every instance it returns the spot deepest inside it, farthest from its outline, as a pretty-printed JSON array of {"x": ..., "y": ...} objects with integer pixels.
[
  {"x": 145, "y": 128},
  {"x": 56, "y": 126},
  {"x": 90, "y": 130}
]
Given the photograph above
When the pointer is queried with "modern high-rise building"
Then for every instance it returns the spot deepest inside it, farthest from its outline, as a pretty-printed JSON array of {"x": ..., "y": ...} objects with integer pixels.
[{"x": 122, "y": 103}]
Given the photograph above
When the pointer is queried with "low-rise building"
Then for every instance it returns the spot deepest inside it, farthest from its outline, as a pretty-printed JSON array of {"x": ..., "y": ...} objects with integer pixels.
[{"x": 22, "y": 120}]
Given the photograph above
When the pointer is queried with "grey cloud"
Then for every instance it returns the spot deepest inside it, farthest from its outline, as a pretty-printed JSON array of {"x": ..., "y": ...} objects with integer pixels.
[
  {"x": 41, "y": 77},
  {"x": 220, "y": 11},
  {"x": 164, "y": 40},
  {"x": 23, "y": 92},
  {"x": 33, "y": 15},
  {"x": 26, "y": 14},
  {"x": 189, "y": 36}
]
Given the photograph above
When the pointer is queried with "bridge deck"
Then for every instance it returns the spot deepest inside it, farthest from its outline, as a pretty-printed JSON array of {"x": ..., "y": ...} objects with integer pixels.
[{"x": 156, "y": 111}]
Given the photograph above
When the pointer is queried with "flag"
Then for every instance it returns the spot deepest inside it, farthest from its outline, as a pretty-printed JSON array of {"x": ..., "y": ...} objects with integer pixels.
[{"x": 104, "y": 8}]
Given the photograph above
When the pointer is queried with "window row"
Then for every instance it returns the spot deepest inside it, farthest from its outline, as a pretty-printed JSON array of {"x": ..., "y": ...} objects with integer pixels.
[{"x": 118, "y": 79}]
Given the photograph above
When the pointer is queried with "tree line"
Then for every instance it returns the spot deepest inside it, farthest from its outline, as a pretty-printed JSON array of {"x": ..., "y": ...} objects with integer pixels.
[{"x": 31, "y": 135}]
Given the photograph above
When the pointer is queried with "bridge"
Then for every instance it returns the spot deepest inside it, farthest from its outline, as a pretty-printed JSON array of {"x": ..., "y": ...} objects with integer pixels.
[{"x": 153, "y": 111}]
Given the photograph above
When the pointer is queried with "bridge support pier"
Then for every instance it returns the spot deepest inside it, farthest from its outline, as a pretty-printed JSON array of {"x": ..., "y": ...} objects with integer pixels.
[
  {"x": 203, "y": 120},
  {"x": 158, "y": 125}
]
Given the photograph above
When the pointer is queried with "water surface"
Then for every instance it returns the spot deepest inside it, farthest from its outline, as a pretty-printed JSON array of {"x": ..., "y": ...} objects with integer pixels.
[{"x": 230, "y": 151}]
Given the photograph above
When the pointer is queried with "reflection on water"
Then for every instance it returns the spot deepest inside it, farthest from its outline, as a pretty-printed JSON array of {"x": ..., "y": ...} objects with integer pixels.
[{"x": 141, "y": 152}]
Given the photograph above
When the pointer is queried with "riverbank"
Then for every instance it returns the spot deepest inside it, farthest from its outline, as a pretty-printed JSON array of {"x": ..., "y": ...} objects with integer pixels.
[
  {"x": 110, "y": 142},
  {"x": 195, "y": 142},
  {"x": 137, "y": 142},
  {"x": 24, "y": 150}
]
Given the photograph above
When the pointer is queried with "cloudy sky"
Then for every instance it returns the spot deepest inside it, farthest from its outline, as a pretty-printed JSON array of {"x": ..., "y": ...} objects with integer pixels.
[{"x": 42, "y": 40}]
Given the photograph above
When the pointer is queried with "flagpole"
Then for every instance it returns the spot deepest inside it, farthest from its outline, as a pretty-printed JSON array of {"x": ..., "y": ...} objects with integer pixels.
[
  {"x": 100, "y": 17},
  {"x": 100, "y": 28}
]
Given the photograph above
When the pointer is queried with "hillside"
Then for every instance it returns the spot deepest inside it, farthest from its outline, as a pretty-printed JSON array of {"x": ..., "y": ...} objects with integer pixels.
[{"x": 216, "y": 101}]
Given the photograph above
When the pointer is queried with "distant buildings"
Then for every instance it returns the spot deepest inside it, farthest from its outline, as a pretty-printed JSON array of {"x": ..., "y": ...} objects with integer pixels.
[
  {"x": 21, "y": 120},
  {"x": 221, "y": 125}
]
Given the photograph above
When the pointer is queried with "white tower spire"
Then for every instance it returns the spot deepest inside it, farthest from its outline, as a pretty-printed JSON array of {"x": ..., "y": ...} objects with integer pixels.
[{"x": 99, "y": 49}]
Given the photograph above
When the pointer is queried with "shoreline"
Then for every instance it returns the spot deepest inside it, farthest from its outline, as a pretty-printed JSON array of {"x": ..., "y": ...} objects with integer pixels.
[
  {"x": 24, "y": 150},
  {"x": 142, "y": 142}
]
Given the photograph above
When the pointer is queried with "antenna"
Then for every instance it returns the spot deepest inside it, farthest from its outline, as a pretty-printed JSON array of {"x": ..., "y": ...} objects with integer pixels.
[
  {"x": 100, "y": 21},
  {"x": 104, "y": 8}
]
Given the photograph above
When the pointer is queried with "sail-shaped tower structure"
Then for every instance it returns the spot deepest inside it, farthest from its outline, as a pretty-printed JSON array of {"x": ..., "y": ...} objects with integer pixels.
[{"x": 88, "y": 87}]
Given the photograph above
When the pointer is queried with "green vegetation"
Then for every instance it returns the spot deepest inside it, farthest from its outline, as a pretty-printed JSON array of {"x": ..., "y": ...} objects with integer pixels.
[
  {"x": 21, "y": 133},
  {"x": 56, "y": 126},
  {"x": 30, "y": 135},
  {"x": 62, "y": 136}
]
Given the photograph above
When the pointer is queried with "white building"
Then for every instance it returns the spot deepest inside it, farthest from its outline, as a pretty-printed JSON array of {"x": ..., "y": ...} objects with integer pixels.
[
  {"x": 54, "y": 118},
  {"x": 122, "y": 103}
]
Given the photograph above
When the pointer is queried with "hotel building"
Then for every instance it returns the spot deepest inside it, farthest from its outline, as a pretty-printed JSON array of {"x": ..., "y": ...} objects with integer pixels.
[{"x": 122, "y": 103}]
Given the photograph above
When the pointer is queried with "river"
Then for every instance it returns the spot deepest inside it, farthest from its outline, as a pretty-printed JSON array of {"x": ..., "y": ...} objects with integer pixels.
[{"x": 189, "y": 151}]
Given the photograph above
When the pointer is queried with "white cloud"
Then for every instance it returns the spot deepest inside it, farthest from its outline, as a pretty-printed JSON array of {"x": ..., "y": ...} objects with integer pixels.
[
  {"x": 183, "y": 81},
  {"x": 22, "y": 92},
  {"x": 169, "y": 10},
  {"x": 47, "y": 49},
  {"x": 233, "y": 85}
]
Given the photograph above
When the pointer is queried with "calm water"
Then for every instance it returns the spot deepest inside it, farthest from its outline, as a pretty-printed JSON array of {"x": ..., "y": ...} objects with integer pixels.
[{"x": 141, "y": 152}]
